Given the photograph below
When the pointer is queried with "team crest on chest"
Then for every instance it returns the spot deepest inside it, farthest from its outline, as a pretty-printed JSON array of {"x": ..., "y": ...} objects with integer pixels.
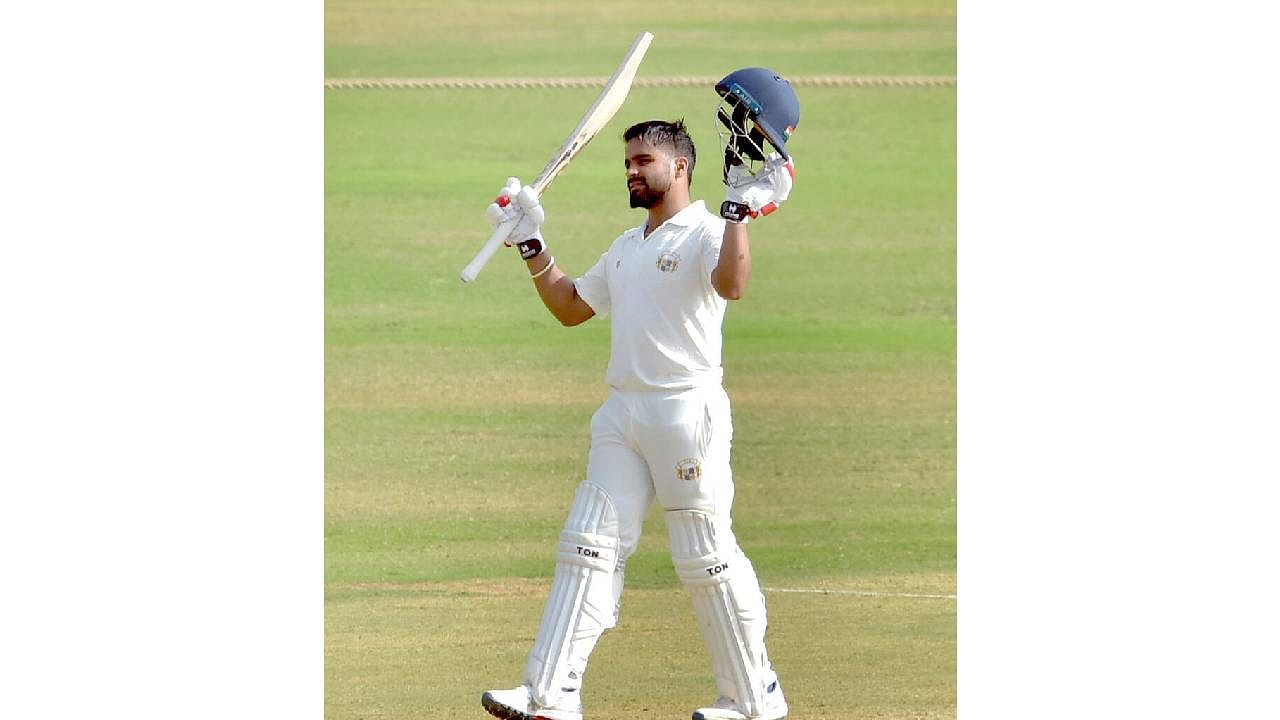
[
  {"x": 668, "y": 261},
  {"x": 689, "y": 469}
]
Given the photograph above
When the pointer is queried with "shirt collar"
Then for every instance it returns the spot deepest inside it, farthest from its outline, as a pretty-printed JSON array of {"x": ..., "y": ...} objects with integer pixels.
[{"x": 689, "y": 215}]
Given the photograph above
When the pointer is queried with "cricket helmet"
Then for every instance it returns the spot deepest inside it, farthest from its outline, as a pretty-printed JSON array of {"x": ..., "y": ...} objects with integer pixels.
[{"x": 764, "y": 98}]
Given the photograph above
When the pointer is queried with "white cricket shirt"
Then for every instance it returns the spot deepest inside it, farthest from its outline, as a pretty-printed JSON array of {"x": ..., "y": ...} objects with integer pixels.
[{"x": 667, "y": 317}]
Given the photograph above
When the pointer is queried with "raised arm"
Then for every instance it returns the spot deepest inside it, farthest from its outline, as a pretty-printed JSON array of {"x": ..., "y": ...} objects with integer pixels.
[
  {"x": 558, "y": 292},
  {"x": 554, "y": 287},
  {"x": 748, "y": 196},
  {"x": 734, "y": 268}
]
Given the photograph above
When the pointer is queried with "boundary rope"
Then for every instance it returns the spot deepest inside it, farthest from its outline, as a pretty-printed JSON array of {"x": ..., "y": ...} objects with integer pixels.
[{"x": 596, "y": 82}]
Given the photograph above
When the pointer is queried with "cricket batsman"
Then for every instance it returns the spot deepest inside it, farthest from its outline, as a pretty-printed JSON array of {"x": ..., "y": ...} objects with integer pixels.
[{"x": 665, "y": 430}]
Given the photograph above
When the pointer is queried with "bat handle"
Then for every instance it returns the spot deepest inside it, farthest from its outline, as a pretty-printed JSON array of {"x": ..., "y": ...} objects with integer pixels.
[{"x": 481, "y": 259}]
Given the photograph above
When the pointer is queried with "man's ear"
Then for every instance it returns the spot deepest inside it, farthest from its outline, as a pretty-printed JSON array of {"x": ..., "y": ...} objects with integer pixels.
[{"x": 682, "y": 165}]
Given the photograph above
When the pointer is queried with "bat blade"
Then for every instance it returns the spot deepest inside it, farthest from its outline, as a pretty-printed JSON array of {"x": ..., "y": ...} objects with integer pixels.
[{"x": 597, "y": 116}]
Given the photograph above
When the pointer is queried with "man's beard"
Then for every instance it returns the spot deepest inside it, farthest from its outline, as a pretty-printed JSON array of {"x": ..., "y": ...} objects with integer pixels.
[{"x": 644, "y": 196}]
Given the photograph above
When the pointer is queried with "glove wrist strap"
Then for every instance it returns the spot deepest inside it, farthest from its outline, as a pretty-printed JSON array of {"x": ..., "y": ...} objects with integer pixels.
[
  {"x": 734, "y": 212},
  {"x": 531, "y": 248}
]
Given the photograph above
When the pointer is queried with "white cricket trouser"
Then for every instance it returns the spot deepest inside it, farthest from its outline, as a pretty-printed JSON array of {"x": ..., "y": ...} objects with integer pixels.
[{"x": 675, "y": 447}]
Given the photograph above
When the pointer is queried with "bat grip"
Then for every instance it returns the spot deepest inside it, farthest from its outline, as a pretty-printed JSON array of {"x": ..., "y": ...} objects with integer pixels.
[{"x": 481, "y": 259}]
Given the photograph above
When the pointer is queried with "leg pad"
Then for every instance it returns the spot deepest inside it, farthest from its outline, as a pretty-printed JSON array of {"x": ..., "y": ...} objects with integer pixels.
[
  {"x": 727, "y": 602},
  {"x": 583, "y": 601}
]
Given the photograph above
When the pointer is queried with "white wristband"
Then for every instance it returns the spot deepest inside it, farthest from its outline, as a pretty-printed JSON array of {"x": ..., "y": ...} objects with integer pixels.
[{"x": 544, "y": 270}]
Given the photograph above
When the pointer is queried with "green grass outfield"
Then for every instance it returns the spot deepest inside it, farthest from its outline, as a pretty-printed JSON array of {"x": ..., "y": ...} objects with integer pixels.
[{"x": 456, "y": 416}]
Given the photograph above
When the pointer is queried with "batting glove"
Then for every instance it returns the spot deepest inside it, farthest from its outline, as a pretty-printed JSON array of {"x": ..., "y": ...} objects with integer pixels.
[
  {"x": 750, "y": 195},
  {"x": 519, "y": 204}
]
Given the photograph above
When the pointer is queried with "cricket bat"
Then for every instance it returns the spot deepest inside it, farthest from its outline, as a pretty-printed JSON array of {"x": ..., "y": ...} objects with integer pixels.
[{"x": 601, "y": 111}]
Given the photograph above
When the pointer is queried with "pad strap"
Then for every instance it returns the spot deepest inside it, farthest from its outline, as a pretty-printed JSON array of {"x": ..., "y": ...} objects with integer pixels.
[{"x": 591, "y": 550}]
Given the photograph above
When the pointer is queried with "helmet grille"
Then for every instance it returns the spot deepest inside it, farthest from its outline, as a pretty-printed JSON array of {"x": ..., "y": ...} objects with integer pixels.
[{"x": 742, "y": 140}]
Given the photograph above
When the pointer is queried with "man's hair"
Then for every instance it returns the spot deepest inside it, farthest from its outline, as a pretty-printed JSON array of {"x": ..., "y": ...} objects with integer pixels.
[{"x": 673, "y": 135}]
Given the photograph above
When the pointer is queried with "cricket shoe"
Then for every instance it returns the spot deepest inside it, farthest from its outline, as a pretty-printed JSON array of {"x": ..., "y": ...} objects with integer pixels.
[
  {"x": 517, "y": 704},
  {"x": 775, "y": 707}
]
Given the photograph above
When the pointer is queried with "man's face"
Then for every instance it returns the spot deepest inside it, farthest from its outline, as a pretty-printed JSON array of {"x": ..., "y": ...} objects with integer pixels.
[{"x": 650, "y": 172}]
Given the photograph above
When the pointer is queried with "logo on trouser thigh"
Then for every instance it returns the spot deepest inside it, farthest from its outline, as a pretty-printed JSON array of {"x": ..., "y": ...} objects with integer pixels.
[{"x": 689, "y": 469}]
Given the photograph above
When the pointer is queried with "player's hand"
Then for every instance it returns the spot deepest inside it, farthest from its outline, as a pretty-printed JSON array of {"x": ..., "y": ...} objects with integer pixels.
[
  {"x": 519, "y": 204},
  {"x": 750, "y": 196}
]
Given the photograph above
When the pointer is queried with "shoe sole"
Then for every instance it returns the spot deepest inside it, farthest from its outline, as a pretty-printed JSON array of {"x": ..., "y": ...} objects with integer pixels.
[
  {"x": 498, "y": 710},
  {"x": 505, "y": 712}
]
